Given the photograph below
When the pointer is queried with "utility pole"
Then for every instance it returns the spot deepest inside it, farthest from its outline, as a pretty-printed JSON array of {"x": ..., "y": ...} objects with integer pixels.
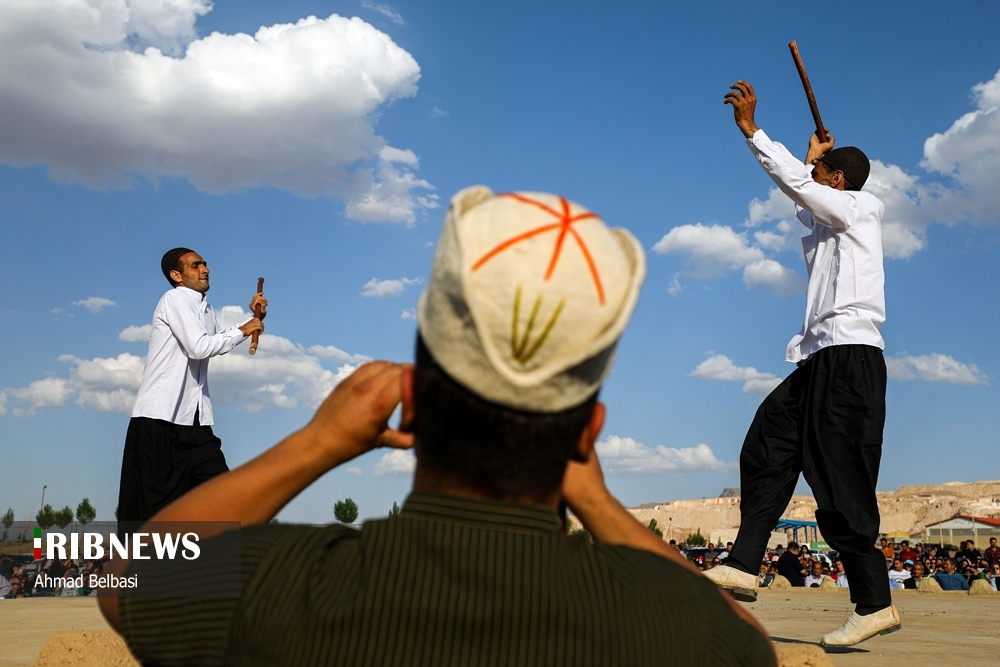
[{"x": 42, "y": 505}]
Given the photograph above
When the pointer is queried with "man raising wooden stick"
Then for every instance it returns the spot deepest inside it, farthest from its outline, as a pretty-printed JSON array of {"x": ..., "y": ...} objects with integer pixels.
[
  {"x": 170, "y": 447},
  {"x": 825, "y": 420}
]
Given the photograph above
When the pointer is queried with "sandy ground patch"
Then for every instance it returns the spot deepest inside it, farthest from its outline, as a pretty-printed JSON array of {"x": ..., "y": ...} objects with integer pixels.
[
  {"x": 29, "y": 623},
  {"x": 953, "y": 626}
]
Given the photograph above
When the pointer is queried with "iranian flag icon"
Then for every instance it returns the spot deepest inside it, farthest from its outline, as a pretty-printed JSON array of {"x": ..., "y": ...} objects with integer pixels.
[{"x": 38, "y": 543}]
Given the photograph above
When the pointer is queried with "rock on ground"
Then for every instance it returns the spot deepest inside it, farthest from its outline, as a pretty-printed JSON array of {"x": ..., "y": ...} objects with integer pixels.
[
  {"x": 90, "y": 648},
  {"x": 801, "y": 655},
  {"x": 981, "y": 587},
  {"x": 929, "y": 585}
]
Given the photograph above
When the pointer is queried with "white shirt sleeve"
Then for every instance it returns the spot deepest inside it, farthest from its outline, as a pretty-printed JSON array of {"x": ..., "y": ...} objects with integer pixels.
[
  {"x": 824, "y": 205},
  {"x": 190, "y": 331}
]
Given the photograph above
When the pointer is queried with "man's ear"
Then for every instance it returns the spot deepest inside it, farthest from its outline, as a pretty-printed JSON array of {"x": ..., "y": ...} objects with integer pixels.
[
  {"x": 585, "y": 445},
  {"x": 175, "y": 276},
  {"x": 408, "y": 416},
  {"x": 838, "y": 181}
]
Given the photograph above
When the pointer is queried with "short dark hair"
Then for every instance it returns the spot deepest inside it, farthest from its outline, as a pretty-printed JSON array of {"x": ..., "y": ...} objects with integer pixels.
[
  {"x": 171, "y": 261},
  {"x": 851, "y": 162},
  {"x": 503, "y": 452}
]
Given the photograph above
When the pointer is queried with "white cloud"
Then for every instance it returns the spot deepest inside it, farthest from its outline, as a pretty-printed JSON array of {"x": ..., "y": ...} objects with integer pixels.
[
  {"x": 409, "y": 314},
  {"x": 282, "y": 374},
  {"x": 783, "y": 238},
  {"x": 332, "y": 353},
  {"x": 721, "y": 367},
  {"x": 625, "y": 455},
  {"x": 395, "y": 462},
  {"x": 910, "y": 207},
  {"x": 776, "y": 207},
  {"x": 3, "y": 404},
  {"x": 769, "y": 273},
  {"x": 47, "y": 393},
  {"x": 136, "y": 334},
  {"x": 95, "y": 304},
  {"x": 378, "y": 289},
  {"x": 713, "y": 250},
  {"x": 388, "y": 195},
  {"x": 231, "y": 316},
  {"x": 934, "y": 368},
  {"x": 969, "y": 152},
  {"x": 384, "y": 10},
  {"x": 291, "y": 106},
  {"x": 107, "y": 385},
  {"x": 354, "y": 470},
  {"x": 166, "y": 24}
]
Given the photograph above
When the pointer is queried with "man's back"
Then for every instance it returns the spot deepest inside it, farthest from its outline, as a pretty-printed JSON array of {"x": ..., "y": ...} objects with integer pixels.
[
  {"x": 790, "y": 568},
  {"x": 449, "y": 582}
]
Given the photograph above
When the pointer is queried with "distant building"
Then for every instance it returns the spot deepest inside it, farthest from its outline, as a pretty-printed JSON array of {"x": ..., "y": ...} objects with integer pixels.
[
  {"x": 730, "y": 492},
  {"x": 960, "y": 528}
]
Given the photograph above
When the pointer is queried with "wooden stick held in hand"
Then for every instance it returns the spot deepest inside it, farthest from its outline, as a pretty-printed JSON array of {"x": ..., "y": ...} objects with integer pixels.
[
  {"x": 821, "y": 132},
  {"x": 256, "y": 313}
]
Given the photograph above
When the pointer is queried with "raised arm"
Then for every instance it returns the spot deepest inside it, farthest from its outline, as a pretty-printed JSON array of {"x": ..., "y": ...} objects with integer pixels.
[
  {"x": 191, "y": 333},
  {"x": 351, "y": 421},
  {"x": 829, "y": 207},
  {"x": 585, "y": 492}
]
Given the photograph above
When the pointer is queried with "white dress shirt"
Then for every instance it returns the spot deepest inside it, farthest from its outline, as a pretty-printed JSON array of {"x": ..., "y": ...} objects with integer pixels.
[
  {"x": 175, "y": 381},
  {"x": 845, "y": 298},
  {"x": 810, "y": 580}
]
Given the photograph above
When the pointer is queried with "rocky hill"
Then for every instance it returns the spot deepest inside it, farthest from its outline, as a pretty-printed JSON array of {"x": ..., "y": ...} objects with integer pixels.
[{"x": 909, "y": 509}]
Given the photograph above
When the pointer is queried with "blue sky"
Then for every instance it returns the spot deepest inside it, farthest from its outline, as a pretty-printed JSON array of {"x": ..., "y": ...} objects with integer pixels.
[{"x": 320, "y": 154}]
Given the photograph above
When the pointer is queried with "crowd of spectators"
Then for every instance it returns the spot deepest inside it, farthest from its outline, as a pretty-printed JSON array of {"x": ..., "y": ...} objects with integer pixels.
[
  {"x": 907, "y": 565},
  {"x": 952, "y": 569},
  {"x": 58, "y": 578}
]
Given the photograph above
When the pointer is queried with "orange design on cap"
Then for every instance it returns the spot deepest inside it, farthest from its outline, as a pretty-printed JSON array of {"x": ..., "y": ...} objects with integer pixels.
[{"x": 564, "y": 225}]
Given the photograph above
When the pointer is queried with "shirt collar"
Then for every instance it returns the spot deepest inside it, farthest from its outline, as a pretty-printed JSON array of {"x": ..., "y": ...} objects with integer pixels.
[
  {"x": 490, "y": 514},
  {"x": 191, "y": 294}
]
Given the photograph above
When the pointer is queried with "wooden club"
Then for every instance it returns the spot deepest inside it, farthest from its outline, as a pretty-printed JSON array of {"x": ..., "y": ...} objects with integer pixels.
[
  {"x": 821, "y": 132},
  {"x": 256, "y": 313}
]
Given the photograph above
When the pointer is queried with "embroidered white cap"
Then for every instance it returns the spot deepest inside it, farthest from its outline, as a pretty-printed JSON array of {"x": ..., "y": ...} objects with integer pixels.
[{"x": 528, "y": 296}]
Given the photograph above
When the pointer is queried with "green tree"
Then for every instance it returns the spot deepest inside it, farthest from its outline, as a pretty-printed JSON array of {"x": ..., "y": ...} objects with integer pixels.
[
  {"x": 8, "y": 520},
  {"x": 652, "y": 527},
  {"x": 116, "y": 512},
  {"x": 85, "y": 512},
  {"x": 345, "y": 511},
  {"x": 696, "y": 539},
  {"x": 394, "y": 511},
  {"x": 45, "y": 517},
  {"x": 64, "y": 517}
]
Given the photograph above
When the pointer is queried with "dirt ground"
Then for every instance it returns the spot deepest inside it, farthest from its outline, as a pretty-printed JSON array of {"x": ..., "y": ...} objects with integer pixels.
[
  {"x": 954, "y": 627},
  {"x": 961, "y": 628}
]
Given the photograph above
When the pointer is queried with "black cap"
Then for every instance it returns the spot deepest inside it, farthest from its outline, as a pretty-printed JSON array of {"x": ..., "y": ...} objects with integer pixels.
[
  {"x": 169, "y": 261},
  {"x": 852, "y": 162}
]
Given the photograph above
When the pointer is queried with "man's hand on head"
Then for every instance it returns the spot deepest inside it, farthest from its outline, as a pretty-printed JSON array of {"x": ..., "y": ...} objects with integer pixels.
[
  {"x": 744, "y": 102},
  {"x": 259, "y": 299},
  {"x": 354, "y": 418}
]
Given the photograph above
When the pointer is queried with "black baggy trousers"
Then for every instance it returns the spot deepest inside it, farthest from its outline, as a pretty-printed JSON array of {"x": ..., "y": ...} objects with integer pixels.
[
  {"x": 163, "y": 461},
  {"x": 825, "y": 420}
]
